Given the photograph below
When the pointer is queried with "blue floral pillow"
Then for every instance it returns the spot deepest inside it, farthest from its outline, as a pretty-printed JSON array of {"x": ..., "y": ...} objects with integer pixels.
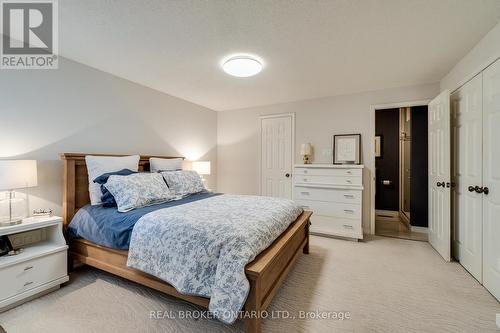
[
  {"x": 107, "y": 198},
  {"x": 138, "y": 190},
  {"x": 183, "y": 182}
]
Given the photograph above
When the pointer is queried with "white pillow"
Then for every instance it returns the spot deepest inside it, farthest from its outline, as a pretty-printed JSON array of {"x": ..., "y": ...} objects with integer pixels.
[
  {"x": 138, "y": 190},
  {"x": 183, "y": 182},
  {"x": 98, "y": 165},
  {"x": 165, "y": 164}
]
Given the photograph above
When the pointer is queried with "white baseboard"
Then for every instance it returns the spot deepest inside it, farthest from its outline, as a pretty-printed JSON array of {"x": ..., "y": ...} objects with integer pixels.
[{"x": 423, "y": 230}]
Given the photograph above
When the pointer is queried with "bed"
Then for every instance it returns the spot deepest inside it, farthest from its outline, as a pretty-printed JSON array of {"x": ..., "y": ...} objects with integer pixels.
[{"x": 265, "y": 273}]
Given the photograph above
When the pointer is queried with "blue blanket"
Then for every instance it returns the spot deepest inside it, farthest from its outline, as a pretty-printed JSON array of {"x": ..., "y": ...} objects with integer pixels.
[{"x": 110, "y": 228}]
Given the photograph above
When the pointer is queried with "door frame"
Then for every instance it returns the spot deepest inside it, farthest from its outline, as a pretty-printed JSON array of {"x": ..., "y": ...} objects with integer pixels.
[
  {"x": 402, "y": 187},
  {"x": 276, "y": 115},
  {"x": 373, "y": 108}
]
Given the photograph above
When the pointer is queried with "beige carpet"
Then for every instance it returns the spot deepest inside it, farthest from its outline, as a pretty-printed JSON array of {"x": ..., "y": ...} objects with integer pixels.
[{"x": 387, "y": 285}]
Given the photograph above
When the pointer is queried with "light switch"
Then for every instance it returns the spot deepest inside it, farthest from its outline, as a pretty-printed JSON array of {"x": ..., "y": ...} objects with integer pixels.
[{"x": 327, "y": 152}]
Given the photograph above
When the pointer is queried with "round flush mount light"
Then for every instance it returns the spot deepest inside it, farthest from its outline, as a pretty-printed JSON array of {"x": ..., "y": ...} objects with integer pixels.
[{"x": 242, "y": 65}]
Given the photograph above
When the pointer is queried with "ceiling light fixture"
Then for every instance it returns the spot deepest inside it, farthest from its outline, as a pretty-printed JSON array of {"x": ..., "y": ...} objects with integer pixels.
[{"x": 242, "y": 66}]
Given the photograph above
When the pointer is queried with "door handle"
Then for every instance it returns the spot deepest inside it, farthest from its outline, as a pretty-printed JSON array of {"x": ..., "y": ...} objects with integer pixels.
[
  {"x": 438, "y": 184},
  {"x": 287, "y": 175},
  {"x": 478, "y": 189},
  {"x": 471, "y": 188},
  {"x": 486, "y": 190}
]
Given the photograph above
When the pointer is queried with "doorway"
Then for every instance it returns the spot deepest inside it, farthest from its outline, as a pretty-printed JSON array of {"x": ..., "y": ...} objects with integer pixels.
[
  {"x": 401, "y": 172},
  {"x": 277, "y": 137}
]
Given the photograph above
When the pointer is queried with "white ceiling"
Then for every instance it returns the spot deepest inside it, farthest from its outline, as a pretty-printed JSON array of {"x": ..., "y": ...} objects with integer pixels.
[{"x": 310, "y": 48}]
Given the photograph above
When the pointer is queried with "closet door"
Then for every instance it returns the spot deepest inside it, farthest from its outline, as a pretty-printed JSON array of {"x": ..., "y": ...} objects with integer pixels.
[
  {"x": 491, "y": 179},
  {"x": 440, "y": 174},
  {"x": 467, "y": 141}
]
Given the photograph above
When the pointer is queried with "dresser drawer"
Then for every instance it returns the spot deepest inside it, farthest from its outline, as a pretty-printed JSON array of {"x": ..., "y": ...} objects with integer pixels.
[
  {"x": 32, "y": 273},
  {"x": 327, "y": 194},
  {"x": 327, "y": 172},
  {"x": 328, "y": 180},
  {"x": 336, "y": 226},
  {"x": 349, "y": 211}
]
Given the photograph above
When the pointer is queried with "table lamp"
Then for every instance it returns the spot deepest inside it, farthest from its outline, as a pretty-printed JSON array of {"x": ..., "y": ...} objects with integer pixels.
[
  {"x": 203, "y": 168},
  {"x": 306, "y": 152},
  {"x": 15, "y": 174}
]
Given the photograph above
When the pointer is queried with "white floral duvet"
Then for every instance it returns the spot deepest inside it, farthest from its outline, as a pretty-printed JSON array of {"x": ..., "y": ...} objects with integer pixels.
[{"x": 202, "y": 247}]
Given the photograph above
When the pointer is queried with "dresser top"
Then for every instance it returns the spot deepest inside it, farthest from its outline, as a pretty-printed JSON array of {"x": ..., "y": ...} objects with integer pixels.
[{"x": 331, "y": 166}]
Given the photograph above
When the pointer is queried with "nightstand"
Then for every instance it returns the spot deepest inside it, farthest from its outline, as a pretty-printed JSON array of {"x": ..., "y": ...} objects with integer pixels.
[{"x": 42, "y": 265}]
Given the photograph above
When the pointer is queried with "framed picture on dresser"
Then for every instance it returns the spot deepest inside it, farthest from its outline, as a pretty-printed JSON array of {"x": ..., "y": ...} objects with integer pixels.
[{"x": 347, "y": 149}]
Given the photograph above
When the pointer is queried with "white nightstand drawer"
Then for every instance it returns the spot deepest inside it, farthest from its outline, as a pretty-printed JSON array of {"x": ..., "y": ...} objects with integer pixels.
[
  {"x": 327, "y": 194},
  {"x": 349, "y": 211},
  {"x": 29, "y": 274},
  {"x": 336, "y": 226},
  {"x": 327, "y": 172},
  {"x": 328, "y": 180}
]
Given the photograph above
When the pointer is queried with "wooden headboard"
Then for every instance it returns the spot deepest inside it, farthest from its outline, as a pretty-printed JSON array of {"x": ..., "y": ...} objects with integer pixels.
[{"x": 76, "y": 183}]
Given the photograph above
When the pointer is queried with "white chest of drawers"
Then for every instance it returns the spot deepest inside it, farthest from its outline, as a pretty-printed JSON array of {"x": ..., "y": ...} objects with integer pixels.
[{"x": 334, "y": 194}]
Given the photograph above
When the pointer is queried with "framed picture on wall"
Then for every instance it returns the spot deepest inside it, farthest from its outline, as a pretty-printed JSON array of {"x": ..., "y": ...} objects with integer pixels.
[
  {"x": 378, "y": 146},
  {"x": 347, "y": 149}
]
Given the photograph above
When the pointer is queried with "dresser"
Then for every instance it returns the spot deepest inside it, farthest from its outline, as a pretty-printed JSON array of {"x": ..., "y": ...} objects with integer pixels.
[
  {"x": 334, "y": 193},
  {"x": 40, "y": 267}
]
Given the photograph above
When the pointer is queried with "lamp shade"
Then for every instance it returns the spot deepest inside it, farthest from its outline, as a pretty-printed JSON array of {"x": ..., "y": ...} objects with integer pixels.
[
  {"x": 15, "y": 174},
  {"x": 305, "y": 149},
  {"x": 202, "y": 167}
]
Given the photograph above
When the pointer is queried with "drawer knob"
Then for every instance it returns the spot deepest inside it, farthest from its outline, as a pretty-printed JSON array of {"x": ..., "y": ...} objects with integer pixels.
[
  {"x": 347, "y": 226},
  {"x": 349, "y": 181},
  {"x": 350, "y": 211},
  {"x": 304, "y": 207},
  {"x": 305, "y": 179},
  {"x": 28, "y": 283},
  {"x": 305, "y": 193},
  {"x": 27, "y": 268},
  {"x": 349, "y": 172},
  {"x": 350, "y": 196}
]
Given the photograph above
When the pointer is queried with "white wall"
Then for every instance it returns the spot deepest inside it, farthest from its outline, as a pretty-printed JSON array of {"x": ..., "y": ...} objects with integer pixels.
[
  {"x": 80, "y": 109},
  {"x": 316, "y": 122},
  {"x": 486, "y": 51}
]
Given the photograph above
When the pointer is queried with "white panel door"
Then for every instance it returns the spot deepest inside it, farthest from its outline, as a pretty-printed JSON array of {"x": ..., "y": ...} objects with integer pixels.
[
  {"x": 467, "y": 141},
  {"x": 491, "y": 179},
  {"x": 439, "y": 174},
  {"x": 277, "y": 156}
]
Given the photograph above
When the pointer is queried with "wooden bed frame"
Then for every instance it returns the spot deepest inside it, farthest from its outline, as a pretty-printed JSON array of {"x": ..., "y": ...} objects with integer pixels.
[{"x": 265, "y": 274}]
